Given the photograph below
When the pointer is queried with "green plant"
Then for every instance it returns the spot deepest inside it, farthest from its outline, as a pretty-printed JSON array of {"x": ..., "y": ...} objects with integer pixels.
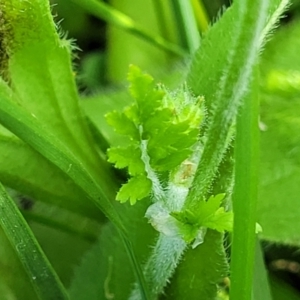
[{"x": 191, "y": 154}]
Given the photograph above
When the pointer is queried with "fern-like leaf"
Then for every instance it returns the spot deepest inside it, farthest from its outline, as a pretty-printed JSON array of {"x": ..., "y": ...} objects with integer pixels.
[{"x": 162, "y": 128}]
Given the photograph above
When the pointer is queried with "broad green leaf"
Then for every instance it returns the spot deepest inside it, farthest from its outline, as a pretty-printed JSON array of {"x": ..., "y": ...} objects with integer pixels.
[
  {"x": 41, "y": 275},
  {"x": 124, "y": 48},
  {"x": 278, "y": 207},
  {"x": 104, "y": 272},
  {"x": 244, "y": 198},
  {"x": 39, "y": 70},
  {"x": 64, "y": 236},
  {"x": 199, "y": 271}
]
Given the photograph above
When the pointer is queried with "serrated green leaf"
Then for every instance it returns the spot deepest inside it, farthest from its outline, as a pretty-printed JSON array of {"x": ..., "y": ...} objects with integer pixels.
[
  {"x": 127, "y": 157},
  {"x": 171, "y": 145},
  {"x": 166, "y": 137},
  {"x": 172, "y": 133},
  {"x": 143, "y": 90},
  {"x": 171, "y": 160},
  {"x": 209, "y": 214},
  {"x": 131, "y": 112},
  {"x": 206, "y": 210},
  {"x": 209, "y": 207},
  {"x": 157, "y": 120},
  {"x": 220, "y": 220},
  {"x": 122, "y": 124},
  {"x": 136, "y": 188}
]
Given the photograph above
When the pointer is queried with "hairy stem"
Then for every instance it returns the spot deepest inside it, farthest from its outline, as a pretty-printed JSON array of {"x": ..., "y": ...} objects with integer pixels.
[{"x": 161, "y": 265}]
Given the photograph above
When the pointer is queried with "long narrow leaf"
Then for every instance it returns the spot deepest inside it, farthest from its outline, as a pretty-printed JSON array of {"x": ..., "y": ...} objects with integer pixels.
[
  {"x": 245, "y": 198},
  {"x": 186, "y": 24},
  {"x": 30, "y": 171},
  {"x": 42, "y": 276},
  {"x": 115, "y": 17},
  {"x": 201, "y": 15},
  {"x": 26, "y": 127}
]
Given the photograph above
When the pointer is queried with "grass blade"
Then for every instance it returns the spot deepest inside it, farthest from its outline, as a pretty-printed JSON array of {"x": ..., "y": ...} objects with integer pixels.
[
  {"x": 109, "y": 14},
  {"x": 42, "y": 276},
  {"x": 26, "y": 127},
  {"x": 186, "y": 24},
  {"x": 29, "y": 175},
  {"x": 245, "y": 198},
  {"x": 201, "y": 15}
]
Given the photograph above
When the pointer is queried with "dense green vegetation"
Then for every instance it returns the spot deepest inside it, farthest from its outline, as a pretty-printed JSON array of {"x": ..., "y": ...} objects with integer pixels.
[{"x": 149, "y": 149}]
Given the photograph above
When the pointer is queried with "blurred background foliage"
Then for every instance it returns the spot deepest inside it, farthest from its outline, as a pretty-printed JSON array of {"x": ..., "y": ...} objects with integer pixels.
[{"x": 101, "y": 61}]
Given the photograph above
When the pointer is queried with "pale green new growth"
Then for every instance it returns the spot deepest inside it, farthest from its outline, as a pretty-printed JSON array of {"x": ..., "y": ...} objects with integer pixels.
[
  {"x": 209, "y": 214},
  {"x": 162, "y": 129}
]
